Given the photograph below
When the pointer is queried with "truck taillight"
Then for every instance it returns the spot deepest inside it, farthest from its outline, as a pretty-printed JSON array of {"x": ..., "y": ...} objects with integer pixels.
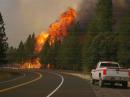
[
  {"x": 128, "y": 73},
  {"x": 104, "y": 71}
]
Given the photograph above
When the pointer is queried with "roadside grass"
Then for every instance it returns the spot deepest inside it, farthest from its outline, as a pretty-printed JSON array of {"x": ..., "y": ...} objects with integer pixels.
[{"x": 5, "y": 75}]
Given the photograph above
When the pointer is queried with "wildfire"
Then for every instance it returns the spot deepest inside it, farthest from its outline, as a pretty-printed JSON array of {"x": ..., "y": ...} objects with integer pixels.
[
  {"x": 40, "y": 40},
  {"x": 57, "y": 31},
  {"x": 35, "y": 61},
  {"x": 32, "y": 63}
]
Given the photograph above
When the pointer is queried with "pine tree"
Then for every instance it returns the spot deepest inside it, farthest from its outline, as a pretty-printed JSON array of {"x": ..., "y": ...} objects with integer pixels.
[
  {"x": 29, "y": 46},
  {"x": 108, "y": 47},
  {"x": 45, "y": 53},
  {"x": 86, "y": 52},
  {"x": 12, "y": 55},
  {"x": 3, "y": 42},
  {"x": 20, "y": 53},
  {"x": 123, "y": 53},
  {"x": 53, "y": 53},
  {"x": 123, "y": 40},
  {"x": 69, "y": 54},
  {"x": 103, "y": 19},
  {"x": 101, "y": 47},
  {"x": 48, "y": 54}
]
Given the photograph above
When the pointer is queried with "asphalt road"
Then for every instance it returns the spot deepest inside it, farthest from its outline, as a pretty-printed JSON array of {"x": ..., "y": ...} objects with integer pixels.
[
  {"x": 56, "y": 84},
  {"x": 46, "y": 84}
]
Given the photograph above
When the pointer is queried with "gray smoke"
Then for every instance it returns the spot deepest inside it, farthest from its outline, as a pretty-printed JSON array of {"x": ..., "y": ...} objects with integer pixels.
[
  {"x": 120, "y": 10},
  {"x": 87, "y": 11}
]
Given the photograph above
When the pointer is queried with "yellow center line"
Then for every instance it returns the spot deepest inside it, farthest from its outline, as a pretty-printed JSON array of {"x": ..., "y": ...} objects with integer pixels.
[{"x": 22, "y": 84}]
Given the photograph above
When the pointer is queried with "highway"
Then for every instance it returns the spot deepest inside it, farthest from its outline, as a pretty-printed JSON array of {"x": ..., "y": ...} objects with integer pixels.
[{"x": 55, "y": 84}]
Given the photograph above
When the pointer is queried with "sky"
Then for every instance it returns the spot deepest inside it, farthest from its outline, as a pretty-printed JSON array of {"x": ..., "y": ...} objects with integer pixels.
[{"x": 23, "y": 17}]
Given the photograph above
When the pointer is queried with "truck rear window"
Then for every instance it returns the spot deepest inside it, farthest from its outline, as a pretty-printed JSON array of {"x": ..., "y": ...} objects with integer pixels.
[{"x": 109, "y": 65}]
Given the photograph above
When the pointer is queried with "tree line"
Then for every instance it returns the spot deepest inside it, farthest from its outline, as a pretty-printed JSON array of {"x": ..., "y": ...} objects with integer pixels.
[
  {"x": 23, "y": 52},
  {"x": 82, "y": 50},
  {"x": 3, "y": 42}
]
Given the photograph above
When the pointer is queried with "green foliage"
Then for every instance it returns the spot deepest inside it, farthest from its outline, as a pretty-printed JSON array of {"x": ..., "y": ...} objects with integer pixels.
[
  {"x": 11, "y": 55},
  {"x": 24, "y": 51},
  {"x": 49, "y": 53},
  {"x": 29, "y": 46},
  {"x": 44, "y": 55},
  {"x": 54, "y": 53},
  {"x": 78, "y": 51},
  {"x": 123, "y": 53},
  {"x": 103, "y": 19},
  {"x": 20, "y": 52},
  {"x": 123, "y": 40},
  {"x": 3, "y": 42},
  {"x": 99, "y": 48},
  {"x": 69, "y": 54},
  {"x": 86, "y": 52}
]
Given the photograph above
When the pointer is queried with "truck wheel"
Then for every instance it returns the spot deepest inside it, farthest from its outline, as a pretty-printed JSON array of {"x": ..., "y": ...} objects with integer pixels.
[
  {"x": 92, "y": 81},
  {"x": 101, "y": 83},
  {"x": 125, "y": 84}
]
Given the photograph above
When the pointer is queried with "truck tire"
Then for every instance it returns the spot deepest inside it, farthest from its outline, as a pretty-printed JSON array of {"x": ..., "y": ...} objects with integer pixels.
[
  {"x": 92, "y": 81},
  {"x": 125, "y": 84},
  {"x": 101, "y": 82}
]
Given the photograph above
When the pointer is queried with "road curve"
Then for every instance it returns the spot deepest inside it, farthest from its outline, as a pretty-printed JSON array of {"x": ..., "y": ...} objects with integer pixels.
[
  {"x": 57, "y": 84},
  {"x": 75, "y": 87},
  {"x": 52, "y": 84}
]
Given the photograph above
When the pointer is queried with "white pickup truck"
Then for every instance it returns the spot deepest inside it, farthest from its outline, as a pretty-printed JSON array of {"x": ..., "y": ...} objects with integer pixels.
[{"x": 111, "y": 72}]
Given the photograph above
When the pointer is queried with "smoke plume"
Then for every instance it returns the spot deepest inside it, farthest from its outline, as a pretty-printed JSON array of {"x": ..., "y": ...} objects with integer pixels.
[{"x": 87, "y": 11}]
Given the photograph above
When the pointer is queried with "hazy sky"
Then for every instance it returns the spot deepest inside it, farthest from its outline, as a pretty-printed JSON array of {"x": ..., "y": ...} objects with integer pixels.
[{"x": 23, "y": 17}]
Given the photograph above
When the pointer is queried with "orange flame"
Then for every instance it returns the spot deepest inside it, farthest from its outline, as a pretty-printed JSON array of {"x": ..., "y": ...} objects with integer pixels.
[
  {"x": 59, "y": 29},
  {"x": 31, "y": 64},
  {"x": 40, "y": 40}
]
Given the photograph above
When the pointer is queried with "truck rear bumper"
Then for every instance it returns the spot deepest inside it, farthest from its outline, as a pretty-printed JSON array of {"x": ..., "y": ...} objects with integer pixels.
[{"x": 116, "y": 78}]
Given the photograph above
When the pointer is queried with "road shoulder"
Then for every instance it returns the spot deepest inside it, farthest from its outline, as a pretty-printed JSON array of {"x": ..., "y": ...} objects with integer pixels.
[
  {"x": 106, "y": 91},
  {"x": 8, "y": 75}
]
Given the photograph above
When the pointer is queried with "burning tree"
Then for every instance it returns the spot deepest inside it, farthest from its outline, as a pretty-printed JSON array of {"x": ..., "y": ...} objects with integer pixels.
[
  {"x": 59, "y": 29},
  {"x": 40, "y": 41},
  {"x": 56, "y": 32}
]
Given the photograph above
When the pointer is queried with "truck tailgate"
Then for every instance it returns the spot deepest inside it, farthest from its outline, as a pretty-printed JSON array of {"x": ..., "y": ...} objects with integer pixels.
[{"x": 117, "y": 72}]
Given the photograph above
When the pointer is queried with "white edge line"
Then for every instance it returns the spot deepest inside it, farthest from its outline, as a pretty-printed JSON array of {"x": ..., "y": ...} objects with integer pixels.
[
  {"x": 23, "y": 84},
  {"x": 56, "y": 89},
  {"x": 13, "y": 79}
]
